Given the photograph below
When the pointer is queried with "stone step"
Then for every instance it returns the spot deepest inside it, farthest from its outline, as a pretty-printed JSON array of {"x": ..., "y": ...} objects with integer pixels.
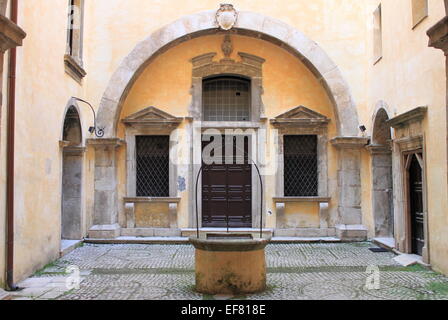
[
  {"x": 305, "y": 240},
  {"x": 387, "y": 243},
  {"x": 68, "y": 246},
  {"x": 184, "y": 240},
  {"x": 150, "y": 232},
  {"x": 139, "y": 240},
  {"x": 192, "y": 232},
  {"x": 305, "y": 232}
]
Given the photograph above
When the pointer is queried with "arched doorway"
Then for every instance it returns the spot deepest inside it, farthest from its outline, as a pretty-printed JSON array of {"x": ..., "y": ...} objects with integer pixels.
[
  {"x": 382, "y": 183},
  {"x": 71, "y": 217}
]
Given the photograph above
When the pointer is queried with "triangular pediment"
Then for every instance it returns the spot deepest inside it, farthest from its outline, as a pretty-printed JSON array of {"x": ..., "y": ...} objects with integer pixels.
[
  {"x": 301, "y": 116},
  {"x": 151, "y": 116},
  {"x": 301, "y": 112}
]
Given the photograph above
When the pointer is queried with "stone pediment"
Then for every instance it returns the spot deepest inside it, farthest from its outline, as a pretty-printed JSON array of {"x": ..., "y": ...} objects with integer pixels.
[
  {"x": 152, "y": 117},
  {"x": 300, "y": 117}
]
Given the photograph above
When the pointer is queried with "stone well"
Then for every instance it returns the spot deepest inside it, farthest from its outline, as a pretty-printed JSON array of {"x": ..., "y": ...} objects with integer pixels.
[{"x": 230, "y": 266}]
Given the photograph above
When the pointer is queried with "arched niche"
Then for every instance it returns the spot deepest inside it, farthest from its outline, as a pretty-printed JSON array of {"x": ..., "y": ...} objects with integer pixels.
[
  {"x": 382, "y": 182},
  {"x": 72, "y": 177}
]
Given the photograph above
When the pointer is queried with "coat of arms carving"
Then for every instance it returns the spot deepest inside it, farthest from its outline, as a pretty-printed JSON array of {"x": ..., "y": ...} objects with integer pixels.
[{"x": 226, "y": 16}]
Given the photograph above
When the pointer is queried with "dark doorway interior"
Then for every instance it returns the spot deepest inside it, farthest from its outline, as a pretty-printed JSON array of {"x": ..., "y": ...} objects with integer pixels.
[{"x": 416, "y": 206}]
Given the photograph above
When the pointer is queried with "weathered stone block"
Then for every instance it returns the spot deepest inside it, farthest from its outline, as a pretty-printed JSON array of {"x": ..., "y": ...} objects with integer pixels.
[
  {"x": 110, "y": 231},
  {"x": 351, "y": 232}
]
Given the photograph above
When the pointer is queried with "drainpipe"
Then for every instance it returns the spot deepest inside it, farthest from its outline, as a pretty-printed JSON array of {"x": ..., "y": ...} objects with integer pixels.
[{"x": 10, "y": 159}]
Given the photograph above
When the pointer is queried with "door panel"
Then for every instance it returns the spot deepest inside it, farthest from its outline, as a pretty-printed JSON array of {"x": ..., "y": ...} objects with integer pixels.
[
  {"x": 416, "y": 206},
  {"x": 227, "y": 191}
]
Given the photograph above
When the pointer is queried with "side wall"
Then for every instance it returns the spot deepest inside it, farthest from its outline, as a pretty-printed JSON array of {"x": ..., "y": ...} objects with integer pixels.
[
  {"x": 43, "y": 90},
  {"x": 409, "y": 75}
]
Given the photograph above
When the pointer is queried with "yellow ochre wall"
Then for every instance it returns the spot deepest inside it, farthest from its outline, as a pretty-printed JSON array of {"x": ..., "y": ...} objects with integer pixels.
[
  {"x": 409, "y": 75},
  {"x": 287, "y": 83}
]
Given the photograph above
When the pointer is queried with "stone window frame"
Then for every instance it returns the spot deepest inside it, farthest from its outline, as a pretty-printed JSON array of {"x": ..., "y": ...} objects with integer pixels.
[
  {"x": 250, "y": 67},
  {"x": 409, "y": 139},
  {"x": 73, "y": 58},
  {"x": 303, "y": 121},
  {"x": 316, "y": 125},
  {"x": 377, "y": 35},
  {"x": 419, "y": 16},
  {"x": 149, "y": 122}
]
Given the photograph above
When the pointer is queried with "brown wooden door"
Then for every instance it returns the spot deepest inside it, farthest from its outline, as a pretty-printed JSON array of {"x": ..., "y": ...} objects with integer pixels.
[
  {"x": 227, "y": 189},
  {"x": 416, "y": 206}
]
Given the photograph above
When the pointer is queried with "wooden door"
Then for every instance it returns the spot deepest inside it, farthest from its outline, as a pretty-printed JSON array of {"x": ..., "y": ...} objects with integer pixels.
[{"x": 227, "y": 188}]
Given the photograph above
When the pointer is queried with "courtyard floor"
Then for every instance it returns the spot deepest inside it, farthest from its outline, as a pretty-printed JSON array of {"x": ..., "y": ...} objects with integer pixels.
[{"x": 295, "y": 271}]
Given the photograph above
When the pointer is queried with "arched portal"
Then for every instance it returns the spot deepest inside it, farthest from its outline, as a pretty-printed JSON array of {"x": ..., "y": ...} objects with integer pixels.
[
  {"x": 248, "y": 24},
  {"x": 323, "y": 70},
  {"x": 382, "y": 184},
  {"x": 72, "y": 157}
]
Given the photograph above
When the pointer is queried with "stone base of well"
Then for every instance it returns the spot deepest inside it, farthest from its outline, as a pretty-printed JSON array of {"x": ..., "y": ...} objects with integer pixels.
[{"x": 230, "y": 266}]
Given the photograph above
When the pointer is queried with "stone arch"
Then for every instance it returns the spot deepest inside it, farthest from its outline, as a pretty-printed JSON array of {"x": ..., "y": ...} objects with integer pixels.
[
  {"x": 248, "y": 24},
  {"x": 381, "y": 132},
  {"x": 71, "y": 187},
  {"x": 382, "y": 179}
]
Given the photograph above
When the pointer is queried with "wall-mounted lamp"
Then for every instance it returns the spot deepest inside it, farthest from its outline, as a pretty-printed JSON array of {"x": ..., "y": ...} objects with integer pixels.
[
  {"x": 99, "y": 132},
  {"x": 363, "y": 128}
]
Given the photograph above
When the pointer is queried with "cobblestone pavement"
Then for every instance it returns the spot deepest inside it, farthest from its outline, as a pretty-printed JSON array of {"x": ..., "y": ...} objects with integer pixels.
[{"x": 295, "y": 271}]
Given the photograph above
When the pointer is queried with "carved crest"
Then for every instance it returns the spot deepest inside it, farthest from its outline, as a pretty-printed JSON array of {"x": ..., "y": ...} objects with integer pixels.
[
  {"x": 227, "y": 47},
  {"x": 152, "y": 117},
  {"x": 226, "y": 16}
]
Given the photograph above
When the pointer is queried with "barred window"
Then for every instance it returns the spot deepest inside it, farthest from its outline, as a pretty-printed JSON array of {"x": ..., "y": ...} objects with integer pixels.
[
  {"x": 152, "y": 166},
  {"x": 300, "y": 166},
  {"x": 226, "y": 99}
]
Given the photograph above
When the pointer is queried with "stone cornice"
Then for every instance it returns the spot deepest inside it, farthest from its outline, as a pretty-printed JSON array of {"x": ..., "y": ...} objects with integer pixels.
[
  {"x": 414, "y": 115},
  {"x": 300, "y": 117},
  {"x": 115, "y": 142},
  {"x": 204, "y": 66},
  {"x": 438, "y": 35},
  {"x": 378, "y": 149},
  {"x": 74, "y": 149},
  {"x": 349, "y": 142},
  {"x": 152, "y": 117},
  {"x": 11, "y": 35}
]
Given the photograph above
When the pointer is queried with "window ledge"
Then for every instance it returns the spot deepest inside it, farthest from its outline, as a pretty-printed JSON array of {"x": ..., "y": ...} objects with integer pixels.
[
  {"x": 151, "y": 199},
  {"x": 73, "y": 68},
  {"x": 302, "y": 199},
  {"x": 230, "y": 124}
]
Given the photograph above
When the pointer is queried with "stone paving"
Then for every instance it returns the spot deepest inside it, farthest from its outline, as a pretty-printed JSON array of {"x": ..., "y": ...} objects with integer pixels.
[{"x": 295, "y": 271}]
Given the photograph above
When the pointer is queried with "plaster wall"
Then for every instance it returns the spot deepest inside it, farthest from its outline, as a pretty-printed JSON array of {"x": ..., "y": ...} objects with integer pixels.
[
  {"x": 411, "y": 74},
  {"x": 287, "y": 83}
]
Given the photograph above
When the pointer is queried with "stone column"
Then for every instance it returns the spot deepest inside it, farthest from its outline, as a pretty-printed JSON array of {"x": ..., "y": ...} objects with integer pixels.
[
  {"x": 105, "y": 217},
  {"x": 349, "y": 225}
]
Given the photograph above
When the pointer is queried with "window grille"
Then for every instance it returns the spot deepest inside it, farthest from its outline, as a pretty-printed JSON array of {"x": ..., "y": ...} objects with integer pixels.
[
  {"x": 226, "y": 99},
  {"x": 300, "y": 166},
  {"x": 152, "y": 166}
]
